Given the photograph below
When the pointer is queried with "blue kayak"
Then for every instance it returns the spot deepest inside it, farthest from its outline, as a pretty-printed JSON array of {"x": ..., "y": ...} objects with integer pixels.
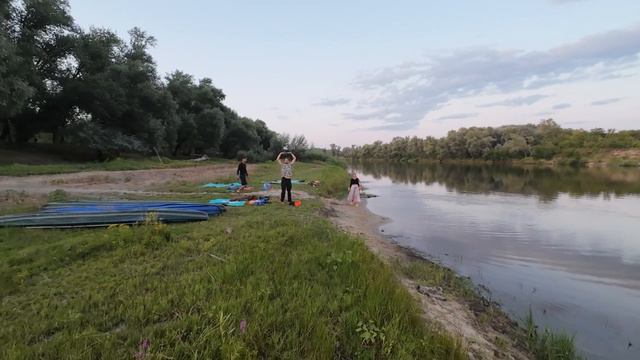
[
  {"x": 114, "y": 206},
  {"x": 98, "y": 219}
]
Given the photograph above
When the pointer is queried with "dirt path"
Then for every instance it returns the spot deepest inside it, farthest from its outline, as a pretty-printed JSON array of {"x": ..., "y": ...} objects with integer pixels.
[
  {"x": 456, "y": 316},
  {"x": 115, "y": 182}
]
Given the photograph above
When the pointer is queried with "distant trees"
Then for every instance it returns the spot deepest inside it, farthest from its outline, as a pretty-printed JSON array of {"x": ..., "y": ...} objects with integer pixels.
[
  {"x": 541, "y": 141},
  {"x": 93, "y": 88}
]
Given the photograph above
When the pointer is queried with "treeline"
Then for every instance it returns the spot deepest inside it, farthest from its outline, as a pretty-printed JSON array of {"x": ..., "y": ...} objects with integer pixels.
[
  {"x": 544, "y": 140},
  {"x": 97, "y": 90}
]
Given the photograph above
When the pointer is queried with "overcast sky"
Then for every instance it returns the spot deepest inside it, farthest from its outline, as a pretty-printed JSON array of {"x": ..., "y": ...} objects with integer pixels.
[{"x": 351, "y": 72}]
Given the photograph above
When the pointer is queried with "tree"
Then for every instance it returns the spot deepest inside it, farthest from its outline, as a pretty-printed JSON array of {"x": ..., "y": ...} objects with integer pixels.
[
  {"x": 241, "y": 135},
  {"x": 14, "y": 91},
  {"x": 36, "y": 38},
  {"x": 102, "y": 92}
]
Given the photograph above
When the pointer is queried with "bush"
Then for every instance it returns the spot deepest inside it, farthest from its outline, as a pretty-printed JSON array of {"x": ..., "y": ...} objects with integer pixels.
[
  {"x": 315, "y": 155},
  {"x": 58, "y": 196},
  {"x": 254, "y": 155},
  {"x": 544, "y": 151},
  {"x": 108, "y": 142}
]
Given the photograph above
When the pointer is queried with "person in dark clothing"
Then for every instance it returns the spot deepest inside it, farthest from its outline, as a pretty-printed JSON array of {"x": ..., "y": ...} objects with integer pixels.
[{"x": 242, "y": 173}]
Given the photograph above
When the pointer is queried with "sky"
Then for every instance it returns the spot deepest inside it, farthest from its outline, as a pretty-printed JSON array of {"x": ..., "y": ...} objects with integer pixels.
[{"x": 352, "y": 72}]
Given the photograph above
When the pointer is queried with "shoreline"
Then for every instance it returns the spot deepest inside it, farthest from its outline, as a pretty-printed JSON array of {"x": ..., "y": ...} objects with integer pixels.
[
  {"x": 484, "y": 329},
  {"x": 615, "y": 158}
]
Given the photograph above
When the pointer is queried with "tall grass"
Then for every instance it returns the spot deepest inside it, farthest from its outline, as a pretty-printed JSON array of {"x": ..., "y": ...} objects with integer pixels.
[
  {"x": 258, "y": 282},
  {"x": 549, "y": 345}
]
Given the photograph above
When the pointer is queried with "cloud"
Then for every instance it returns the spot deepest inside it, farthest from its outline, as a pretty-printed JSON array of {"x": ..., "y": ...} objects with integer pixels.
[
  {"x": 561, "y": 106},
  {"x": 332, "y": 102},
  {"x": 283, "y": 117},
  {"x": 517, "y": 101},
  {"x": 457, "y": 116},
  {"x": 390, "y": 127},
  {"x": 560, "y": 2},
  {"x": 544, "y": 113},
  {"x": 576, "y": 122},
  {"x": 366, "y": 116},
  {"x": 413, "y": 89},
  {"x": 605, "y": 101}
]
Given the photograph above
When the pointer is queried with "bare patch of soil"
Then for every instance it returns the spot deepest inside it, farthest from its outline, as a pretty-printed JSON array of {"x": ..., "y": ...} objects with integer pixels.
[{"x": 134, "y": 181}]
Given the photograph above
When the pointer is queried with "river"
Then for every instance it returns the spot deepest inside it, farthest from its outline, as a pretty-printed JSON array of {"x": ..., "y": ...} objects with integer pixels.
[{"x": 564, "y": 243}]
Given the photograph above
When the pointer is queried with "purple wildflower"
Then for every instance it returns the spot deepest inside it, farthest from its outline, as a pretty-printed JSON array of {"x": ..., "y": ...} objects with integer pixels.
[
  {"x": 145, "y": 345},
  {"x": 143, "y": 348},
  {"x": 243, "y": 326}
]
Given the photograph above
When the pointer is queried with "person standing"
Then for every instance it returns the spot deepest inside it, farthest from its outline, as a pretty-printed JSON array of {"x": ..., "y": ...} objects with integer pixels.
[
  {"x": 287, "y": 174},
  {"x": 354, "y": 190},
  {"x": 242, "y": 173}
]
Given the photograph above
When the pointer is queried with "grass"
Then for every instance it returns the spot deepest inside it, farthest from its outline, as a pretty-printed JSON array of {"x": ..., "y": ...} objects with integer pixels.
[
  {"x": 266, "y": 282},
  {"x": 333, "y": 178},
  {"x": 431, "y": 274},
  {"x": 113, "y": 165},
  {"x": 549, "y": 345},
  {"x": 12, "y": 202}
]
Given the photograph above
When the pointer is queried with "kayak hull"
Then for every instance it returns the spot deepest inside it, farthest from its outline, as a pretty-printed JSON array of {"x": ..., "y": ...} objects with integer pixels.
[{"x": 98, "y": 219}]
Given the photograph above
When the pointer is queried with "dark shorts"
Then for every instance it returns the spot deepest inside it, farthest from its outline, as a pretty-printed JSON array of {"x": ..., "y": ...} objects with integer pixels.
[{"x": 243, "y": 180}]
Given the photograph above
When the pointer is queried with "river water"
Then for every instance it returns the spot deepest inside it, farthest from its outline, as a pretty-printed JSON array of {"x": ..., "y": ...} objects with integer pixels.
[{"x": 564, "y": 243}]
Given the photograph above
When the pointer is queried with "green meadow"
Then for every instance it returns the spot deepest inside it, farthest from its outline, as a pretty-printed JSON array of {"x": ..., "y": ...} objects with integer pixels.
[{"x": 257, "y": 282}]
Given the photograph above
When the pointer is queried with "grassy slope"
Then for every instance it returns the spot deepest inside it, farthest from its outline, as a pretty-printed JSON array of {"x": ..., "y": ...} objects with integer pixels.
[
  {"x": 113, "y": 165},
  {"x": 304, "y": 289}
]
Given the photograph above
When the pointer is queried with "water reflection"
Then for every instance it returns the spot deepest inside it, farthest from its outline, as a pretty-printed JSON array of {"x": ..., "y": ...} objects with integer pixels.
[
  {"x": 562, "y": 242},
  {"x": 546, "y": 183}
]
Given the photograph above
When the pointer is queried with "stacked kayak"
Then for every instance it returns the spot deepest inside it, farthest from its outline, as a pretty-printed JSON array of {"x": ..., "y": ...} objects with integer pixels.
[
  {"x": 114, "y": 206},
  {"x": 101, "y": 214}
]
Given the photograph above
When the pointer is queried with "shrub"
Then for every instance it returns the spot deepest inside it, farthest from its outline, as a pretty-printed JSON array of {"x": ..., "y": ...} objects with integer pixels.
[{"x": 315, "y": 155}]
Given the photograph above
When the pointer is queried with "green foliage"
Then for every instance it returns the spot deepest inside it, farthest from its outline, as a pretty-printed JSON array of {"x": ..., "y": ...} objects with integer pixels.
[
  {"x": 334, "y": 181},
  {"x": 108, "y": 142},
  {"x": 549, "y": 345},
  {"x": 316, "y": 155},
  {"x": 95, "y": 89},
  {"x": 546, "y": 140},
  {"x": 58, "y": 196},
  {"x": 432, "y": 274},
  {"x": 106, "y": 293}
]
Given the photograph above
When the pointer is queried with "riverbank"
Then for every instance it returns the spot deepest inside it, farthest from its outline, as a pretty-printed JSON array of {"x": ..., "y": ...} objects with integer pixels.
[
  {"x": 444, "y": 298},
  {"x": 257, "y": 282},
  {"x": 322, "y": 271}
]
